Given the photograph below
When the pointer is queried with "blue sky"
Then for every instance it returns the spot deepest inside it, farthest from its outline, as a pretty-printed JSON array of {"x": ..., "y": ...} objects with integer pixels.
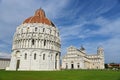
[{"x": 90, "y": 23}]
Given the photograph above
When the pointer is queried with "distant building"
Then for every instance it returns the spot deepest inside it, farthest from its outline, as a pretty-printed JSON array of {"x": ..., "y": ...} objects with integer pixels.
[
  {"x": 78, "y": 59},
  {"x": 4, "y": 62},
  {"x": 36, "y": 44},
  {"x": 113, "y": 65}
]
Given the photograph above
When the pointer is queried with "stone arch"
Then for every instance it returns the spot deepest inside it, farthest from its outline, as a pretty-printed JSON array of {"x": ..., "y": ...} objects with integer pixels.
[
  {"x": 44, "y": 56},
  {"x": 33, "y": 42},
  {"x": 33, "y": 52},
  {"x": 78, "y": 65},
  {"x": 43, "y": 29},
  {"x": 56, "y": 60},
  {"x": 35, "y": 55},
  {"x": 72, "y": 65},
  {"x": 17, "y": 55},
  {"x": 25, "y": 56},
  {"x": 51, "y": 55}
]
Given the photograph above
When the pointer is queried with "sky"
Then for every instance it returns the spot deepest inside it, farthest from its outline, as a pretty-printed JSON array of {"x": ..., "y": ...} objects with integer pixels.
[{"x": 87, "y": 23}]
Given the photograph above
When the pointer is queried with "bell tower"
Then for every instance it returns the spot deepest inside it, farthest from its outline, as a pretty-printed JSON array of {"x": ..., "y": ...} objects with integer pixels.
[{"x": 100, "y": 51}]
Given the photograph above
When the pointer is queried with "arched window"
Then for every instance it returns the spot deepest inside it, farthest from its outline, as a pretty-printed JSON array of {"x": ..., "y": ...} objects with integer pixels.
[
  {"x": 44, "y": 42},
  {"x": 78, "y": 65},
  {"x": 33, "y": 41},
  {"x": 43, "y": 29},
  {"x": 25, "y": 56},
  {"x": 72, "y": 66},
  {"x": 50, "y": 31},
  {"x": 21, "y": 30},
  {"x": 35, "y": 56},
  {"x": 28, "y": 29},
  {"x": 35, "y": 28},
  {"x": 43, "y": 56}
]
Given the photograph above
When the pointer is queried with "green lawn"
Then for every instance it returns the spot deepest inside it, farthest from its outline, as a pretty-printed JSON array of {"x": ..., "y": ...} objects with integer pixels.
[{"x": 61, "y": 75}]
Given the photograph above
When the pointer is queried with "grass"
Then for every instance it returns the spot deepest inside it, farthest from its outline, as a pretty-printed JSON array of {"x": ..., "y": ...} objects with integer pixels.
[{"x": 60, "y": 75}]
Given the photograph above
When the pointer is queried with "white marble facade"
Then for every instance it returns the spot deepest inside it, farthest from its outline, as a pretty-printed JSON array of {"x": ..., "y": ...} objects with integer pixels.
[
  {"x": 36, "y": 45},
  {"x": 78, "y": 59}
]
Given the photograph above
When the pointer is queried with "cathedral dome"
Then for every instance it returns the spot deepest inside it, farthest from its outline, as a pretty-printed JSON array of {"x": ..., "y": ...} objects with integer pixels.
[{"x": 39, "y": 17}]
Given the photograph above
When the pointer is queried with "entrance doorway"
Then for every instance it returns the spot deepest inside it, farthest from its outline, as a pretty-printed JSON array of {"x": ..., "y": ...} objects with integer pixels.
[
  {"x": 18, "y": 64},
  {"x": 55, "y": 64},
  {"x": 56, "y": 60},
  {"x": 72, "y": 66}
]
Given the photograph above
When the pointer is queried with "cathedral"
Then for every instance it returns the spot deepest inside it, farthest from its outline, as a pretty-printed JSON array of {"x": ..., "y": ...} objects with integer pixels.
[
  {"x": 78, "y": 59},
  {"x": 36, "y": 44}
]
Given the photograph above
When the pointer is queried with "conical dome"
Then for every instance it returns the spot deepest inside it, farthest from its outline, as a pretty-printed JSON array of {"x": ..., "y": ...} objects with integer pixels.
[{"x": 39, "y": 17}]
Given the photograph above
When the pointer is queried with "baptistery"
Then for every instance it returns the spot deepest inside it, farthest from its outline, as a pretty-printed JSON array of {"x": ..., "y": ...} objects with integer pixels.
[{"x": 36, "y": 44}]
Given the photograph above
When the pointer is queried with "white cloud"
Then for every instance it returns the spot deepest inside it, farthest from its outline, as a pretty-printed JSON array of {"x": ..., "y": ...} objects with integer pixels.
[
  {"x": 108, "y": 28},
  {"x": 112, "y": 45},
  {"x": 4, "y": 55},
  {"x": 67, "y": 32}
]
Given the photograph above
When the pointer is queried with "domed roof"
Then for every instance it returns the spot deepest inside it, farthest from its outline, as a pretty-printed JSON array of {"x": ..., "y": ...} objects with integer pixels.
[{"x": 39, "y": 17}]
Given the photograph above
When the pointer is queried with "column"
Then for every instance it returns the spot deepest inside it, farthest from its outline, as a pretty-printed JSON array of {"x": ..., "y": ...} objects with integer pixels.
[{"x": 30, "y": 45}]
